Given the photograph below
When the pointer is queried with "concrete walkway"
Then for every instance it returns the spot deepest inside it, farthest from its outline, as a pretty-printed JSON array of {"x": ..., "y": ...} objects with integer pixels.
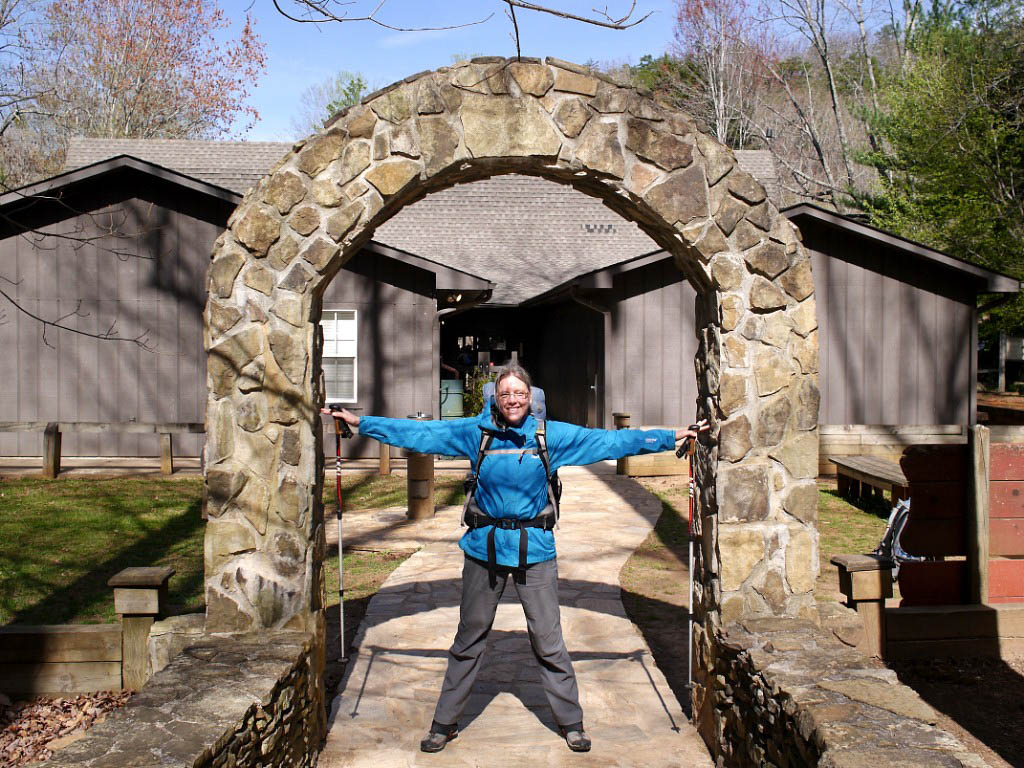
[{"x": 387, "y": 697}]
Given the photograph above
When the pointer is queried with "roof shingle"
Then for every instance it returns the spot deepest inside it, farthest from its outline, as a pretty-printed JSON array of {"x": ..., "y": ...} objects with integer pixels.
[
  {"x": 234, "y": 165},
  {"x": 523, "y": 233}
]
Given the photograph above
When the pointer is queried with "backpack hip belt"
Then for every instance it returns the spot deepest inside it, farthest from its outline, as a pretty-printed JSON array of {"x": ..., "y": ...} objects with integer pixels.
[{"x": 475, "y": 518}]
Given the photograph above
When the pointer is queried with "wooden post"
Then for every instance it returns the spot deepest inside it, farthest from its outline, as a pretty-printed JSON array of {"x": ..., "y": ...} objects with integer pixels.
[
  {"x": 1002, "y": 362},
  {"x": 420, "y": 481},
  {"x": 385, "y": 459},
  {"x": 166, "y": 453},
  {"x": 139, "y": 596},
  {"x": 977, "y": 520},
  {"x": 621, "y": 422},
  {"x": 51, "y": 450},
  {"x": 866, "y": 582}
]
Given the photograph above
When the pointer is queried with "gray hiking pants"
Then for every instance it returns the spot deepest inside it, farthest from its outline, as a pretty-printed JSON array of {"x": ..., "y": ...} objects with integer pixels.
[{"x": 539, "y": 596}]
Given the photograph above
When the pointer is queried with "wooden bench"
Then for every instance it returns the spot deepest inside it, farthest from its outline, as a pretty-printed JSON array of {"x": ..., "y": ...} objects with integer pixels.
[
  {"x": 967, "y": 519},
  {"x": 51, "y": 436},
  {"x": 865, "y": 476}
]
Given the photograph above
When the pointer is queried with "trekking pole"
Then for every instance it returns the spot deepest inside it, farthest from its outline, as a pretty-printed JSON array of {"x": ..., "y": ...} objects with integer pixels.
[
  {"x": 341, "y": 429},
  {"x": 687, "y": 448}
]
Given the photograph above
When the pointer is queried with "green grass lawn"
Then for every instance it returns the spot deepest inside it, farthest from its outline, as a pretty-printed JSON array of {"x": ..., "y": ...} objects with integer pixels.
[
  {"x": 845, "y": 528},
  {"x": 61, "y": 540}
]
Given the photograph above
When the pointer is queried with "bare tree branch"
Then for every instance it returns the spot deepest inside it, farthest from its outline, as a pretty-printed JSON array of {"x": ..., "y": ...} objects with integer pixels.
[
  {"x": 319, "y": 12},
  {"x": 610, "y": 23},
  {"x": 111, "y": 334},
  {"x": 325, "y": 11},
  {"x": 515, "y": 26}
]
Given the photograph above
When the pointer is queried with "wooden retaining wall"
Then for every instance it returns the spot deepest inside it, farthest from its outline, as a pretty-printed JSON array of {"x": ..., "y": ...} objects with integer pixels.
[
  {"x": 66, "y": 658},
  {"x": 954, "y": 630},
  {"x": 887, "y": 441},
  {"x": 967, "y": 513}
]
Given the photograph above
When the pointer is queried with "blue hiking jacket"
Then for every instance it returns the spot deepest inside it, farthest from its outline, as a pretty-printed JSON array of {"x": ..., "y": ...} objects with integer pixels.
[{"x": 513, "y": 485}]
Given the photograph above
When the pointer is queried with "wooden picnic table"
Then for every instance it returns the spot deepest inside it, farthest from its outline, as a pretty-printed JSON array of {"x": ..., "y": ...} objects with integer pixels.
[{"x": 869, "y": 475}]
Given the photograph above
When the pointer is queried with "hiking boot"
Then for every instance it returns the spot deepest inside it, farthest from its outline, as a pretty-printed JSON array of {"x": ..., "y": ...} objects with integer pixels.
[
  {"x": 438, "y": 737},
  {"x": 576, "y": 738}
]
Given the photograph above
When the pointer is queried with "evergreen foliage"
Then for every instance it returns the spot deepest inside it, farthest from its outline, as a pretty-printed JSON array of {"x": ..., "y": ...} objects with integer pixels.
[{"x": 951, "y": 165}]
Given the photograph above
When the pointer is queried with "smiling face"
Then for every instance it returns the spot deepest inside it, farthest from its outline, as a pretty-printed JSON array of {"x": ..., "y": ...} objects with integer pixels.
[{"x": 513, "y": 396}]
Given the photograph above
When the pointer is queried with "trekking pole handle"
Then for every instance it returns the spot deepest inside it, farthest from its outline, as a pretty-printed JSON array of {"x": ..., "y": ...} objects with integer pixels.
[
  {"x": 686, "y": 446},
  {"x": 340, "y": 425}
]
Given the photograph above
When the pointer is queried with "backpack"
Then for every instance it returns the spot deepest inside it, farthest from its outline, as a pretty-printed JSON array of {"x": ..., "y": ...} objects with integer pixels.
[{"x": 554, "y": 483}]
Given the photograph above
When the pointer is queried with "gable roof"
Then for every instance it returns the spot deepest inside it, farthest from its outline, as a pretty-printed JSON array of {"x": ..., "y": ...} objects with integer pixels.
[
  {"x": 48, "y": 187},
  {"x": 74, "y": 192},
  {"x": 234, "y": 165},
  {"x": 524, "y": 234},
  {"x": 981, "y": 280}
]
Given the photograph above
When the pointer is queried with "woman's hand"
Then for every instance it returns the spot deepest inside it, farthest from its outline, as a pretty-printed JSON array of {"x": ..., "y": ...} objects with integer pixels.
[
  {"x": 345, "y": 415},
  {"x": 685, "y": 433}
]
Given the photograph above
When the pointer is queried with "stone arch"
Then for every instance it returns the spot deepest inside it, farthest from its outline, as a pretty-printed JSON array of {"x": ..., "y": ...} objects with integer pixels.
[{"x": 756, "y": 366}]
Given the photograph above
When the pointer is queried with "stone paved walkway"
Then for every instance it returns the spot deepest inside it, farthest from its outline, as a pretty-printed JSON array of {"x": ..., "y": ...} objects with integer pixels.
[{"x": 387, "y": 697}]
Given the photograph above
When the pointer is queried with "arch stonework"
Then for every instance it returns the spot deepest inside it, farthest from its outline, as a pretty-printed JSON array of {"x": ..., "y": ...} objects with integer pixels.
[{"x": 756, "y": 365}]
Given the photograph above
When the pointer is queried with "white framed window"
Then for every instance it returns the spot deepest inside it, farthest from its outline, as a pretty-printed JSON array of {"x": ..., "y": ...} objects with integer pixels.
[{"x": 340, "y": 354}]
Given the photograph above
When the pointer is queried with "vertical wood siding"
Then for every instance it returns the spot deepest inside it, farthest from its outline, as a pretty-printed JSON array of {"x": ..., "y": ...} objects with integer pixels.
[
  {"x": 395, "y": 328},
  {"x": 568, "y": 354},
  {"x": 894, "y": 337},
  {"x": 135, "y": 265},
  {"x": 894, "y": 340},
  {"x": 650, "y": 347}
]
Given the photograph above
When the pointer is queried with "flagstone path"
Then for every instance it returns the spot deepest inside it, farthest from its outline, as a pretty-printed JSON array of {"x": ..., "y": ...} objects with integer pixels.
[{"x": 387, "y": 697}]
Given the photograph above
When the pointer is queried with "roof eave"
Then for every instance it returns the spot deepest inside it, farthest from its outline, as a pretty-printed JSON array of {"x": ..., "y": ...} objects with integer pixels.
[
  {"x": 986, "y": 280},
  {"x": 598, "y": 279},
  {"x": 86, "y": 173},
  {"x": 448, "y": 278}
]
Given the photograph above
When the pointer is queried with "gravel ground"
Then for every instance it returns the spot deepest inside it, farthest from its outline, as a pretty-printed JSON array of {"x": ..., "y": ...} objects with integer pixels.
[{"x": 31, "y": 730}]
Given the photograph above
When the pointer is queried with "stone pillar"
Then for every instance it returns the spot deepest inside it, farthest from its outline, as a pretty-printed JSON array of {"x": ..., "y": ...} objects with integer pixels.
[{"x": 265, "y": 537}]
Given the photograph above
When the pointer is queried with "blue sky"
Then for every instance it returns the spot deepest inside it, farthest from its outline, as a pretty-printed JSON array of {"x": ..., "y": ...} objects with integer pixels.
[{"x": 299, "y": 55}]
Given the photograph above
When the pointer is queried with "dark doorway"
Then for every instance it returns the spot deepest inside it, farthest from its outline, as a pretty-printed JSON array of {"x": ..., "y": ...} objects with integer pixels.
[{"x": 562, "y": 347}]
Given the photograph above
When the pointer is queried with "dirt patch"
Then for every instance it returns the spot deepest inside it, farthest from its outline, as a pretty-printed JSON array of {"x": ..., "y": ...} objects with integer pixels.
[
  {"x": 981, "y": 701},
  {"x": 655, "y": 585}
]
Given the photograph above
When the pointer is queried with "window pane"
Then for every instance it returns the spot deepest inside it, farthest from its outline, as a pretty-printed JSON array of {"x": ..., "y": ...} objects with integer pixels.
[
  {"x": 339, "y": 353},
  {"x": 340, "y": 378},
  {"x": 346, "y": 325}
]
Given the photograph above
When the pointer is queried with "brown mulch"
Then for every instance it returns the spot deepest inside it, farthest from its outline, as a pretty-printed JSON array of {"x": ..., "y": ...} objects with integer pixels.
[{"x": 31, "y": 730}]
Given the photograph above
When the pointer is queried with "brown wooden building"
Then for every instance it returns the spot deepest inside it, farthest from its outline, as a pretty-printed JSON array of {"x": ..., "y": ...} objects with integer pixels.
[
  {"x": 897, "y": 328},
  {"x": 585, "y": 299},
  {"x": 120, "y": 249}
]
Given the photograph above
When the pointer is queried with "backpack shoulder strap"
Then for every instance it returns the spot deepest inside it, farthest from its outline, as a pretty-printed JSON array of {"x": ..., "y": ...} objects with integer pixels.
[
  {"x": 541, "y": 437},
  {"x": 486, "y": 438}
]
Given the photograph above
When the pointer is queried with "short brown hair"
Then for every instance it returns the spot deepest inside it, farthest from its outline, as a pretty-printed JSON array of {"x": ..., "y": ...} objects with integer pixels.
[{"x": 512, "y": 369}]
